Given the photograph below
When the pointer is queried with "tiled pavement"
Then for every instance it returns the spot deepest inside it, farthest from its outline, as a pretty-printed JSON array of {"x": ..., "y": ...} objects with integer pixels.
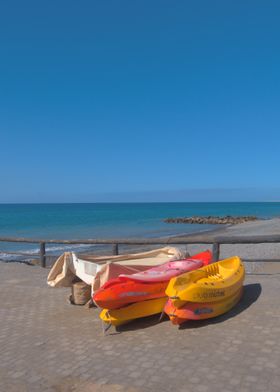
[{"x": 48, "y": 345}]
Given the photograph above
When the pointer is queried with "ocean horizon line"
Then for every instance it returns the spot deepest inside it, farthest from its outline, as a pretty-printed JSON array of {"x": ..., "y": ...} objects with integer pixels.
[{"x": 141, "y": 202}]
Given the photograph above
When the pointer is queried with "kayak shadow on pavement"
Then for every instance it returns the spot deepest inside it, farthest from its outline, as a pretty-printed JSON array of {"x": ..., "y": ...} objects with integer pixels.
[
  {"x": 250, "y": 295},
  {"x": 141, "y": 323}
]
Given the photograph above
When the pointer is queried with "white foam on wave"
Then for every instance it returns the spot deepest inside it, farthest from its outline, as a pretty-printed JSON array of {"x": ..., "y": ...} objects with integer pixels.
[
  {"x": 9, "y": 257},
  {"x": 50, "y": 250},
  {"x": 69, "y": 247}
]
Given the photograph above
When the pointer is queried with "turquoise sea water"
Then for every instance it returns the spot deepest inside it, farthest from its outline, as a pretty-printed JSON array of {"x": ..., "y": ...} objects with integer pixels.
[{"x": 114, "y": 220}]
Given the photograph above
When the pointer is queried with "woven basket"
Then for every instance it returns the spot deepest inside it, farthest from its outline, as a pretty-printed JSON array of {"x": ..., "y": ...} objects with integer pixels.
[{"x": 80, "y": 293}]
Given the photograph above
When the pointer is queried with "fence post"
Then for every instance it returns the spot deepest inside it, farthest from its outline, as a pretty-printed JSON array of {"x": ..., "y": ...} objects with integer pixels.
[
  {"x": 216, "y": 251},
  {"x": 43, "y": 254},
  {"x": 115, "y": 249}
]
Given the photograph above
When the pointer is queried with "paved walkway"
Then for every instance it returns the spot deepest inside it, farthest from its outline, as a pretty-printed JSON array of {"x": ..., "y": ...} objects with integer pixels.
[{"x": 48, "y": 345}]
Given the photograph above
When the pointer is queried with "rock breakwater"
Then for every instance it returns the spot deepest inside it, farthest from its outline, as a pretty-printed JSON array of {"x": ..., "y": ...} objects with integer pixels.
[{"x": 214, "y": 220}]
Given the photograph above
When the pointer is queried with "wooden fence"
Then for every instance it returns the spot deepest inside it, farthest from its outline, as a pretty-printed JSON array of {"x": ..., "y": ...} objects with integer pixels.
[{"x": 216, "y": 242}]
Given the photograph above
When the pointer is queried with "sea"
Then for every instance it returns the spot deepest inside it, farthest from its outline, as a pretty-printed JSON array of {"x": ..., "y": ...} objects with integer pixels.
[{"x": 110, "y": 220}]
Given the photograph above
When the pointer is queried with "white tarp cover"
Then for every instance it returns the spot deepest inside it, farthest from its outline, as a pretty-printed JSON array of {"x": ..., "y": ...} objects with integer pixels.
[{"x": 97, "y": 270}]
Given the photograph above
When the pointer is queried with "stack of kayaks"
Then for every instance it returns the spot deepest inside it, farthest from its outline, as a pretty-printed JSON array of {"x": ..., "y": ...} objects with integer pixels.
[
  {"x": 205, "y": 293},
  {"x": 129, "y": 297}
]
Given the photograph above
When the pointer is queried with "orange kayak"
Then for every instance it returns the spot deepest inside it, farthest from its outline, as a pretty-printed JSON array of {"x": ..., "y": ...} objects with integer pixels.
[
  {"x": 128, "y": 289},
  {"x": 199, "y": 310}
]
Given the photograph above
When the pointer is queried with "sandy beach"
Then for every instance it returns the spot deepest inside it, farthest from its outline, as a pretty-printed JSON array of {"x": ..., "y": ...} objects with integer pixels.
[{"x": 248, "y": 251}]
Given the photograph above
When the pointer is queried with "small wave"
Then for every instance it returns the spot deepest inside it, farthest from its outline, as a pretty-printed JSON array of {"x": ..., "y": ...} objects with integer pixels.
[
  {"x": 50, "y": 250},
  {"x": 71, "y": 247},
  {"x": 10, "y": 257}
]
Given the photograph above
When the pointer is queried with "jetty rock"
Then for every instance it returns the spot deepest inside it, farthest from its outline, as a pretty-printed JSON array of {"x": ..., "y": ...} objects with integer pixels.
[{"x": 213, "y": 220}]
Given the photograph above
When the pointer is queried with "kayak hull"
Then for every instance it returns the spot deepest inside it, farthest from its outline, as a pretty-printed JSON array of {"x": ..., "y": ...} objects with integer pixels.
[
  {"x": 120, "y": 295},
  {"x": 134, "y": 311},
  {"x": 201, "y": 311}
]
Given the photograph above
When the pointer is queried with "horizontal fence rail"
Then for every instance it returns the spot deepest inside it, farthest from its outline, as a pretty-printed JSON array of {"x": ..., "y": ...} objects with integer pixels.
[{"x": 187, "y": 240}]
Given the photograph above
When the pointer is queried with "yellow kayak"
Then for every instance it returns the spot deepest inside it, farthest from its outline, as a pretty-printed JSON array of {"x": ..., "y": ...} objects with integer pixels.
[
  {"x": 211, "y": 283},
  {"x": 201, "y": 311},
  {"x": 134, "y": 311}
]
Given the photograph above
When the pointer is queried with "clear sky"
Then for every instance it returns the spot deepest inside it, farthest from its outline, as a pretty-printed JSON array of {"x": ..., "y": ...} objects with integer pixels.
[{"x": 125, "y": 100}]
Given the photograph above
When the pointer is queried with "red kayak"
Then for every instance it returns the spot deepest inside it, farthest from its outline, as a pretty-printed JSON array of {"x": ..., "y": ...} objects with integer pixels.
[{"x": 146, "y": 285}]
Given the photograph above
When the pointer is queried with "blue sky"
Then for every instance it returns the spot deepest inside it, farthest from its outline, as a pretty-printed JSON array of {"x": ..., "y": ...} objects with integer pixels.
[{"x": 126, "y": 100}]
